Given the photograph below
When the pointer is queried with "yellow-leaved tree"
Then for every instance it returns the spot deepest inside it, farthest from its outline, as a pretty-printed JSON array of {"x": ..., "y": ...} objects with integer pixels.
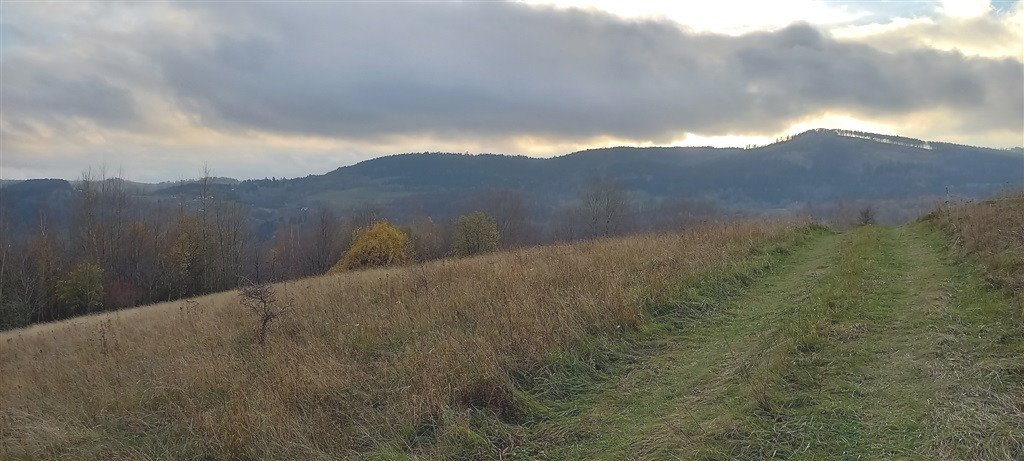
[{"x": 382, "y": 244}]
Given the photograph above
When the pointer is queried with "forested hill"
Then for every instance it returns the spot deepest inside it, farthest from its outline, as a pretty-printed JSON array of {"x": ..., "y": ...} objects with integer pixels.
[
  {"x": 143, "y": 243},
  {"x": 813, "y": 167},
  {"x": 816, "y": 167}
]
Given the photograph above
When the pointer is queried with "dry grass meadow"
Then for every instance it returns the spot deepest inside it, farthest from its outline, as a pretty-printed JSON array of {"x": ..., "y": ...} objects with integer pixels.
[
  {"x": 362, "y": 362},
  {"x": 990, "y": 233}
]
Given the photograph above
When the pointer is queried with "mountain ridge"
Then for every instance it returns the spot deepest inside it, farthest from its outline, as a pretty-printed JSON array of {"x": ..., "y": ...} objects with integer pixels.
[
  {"x": 852, "y": 134},
  {"x": 822, "y": 166}
]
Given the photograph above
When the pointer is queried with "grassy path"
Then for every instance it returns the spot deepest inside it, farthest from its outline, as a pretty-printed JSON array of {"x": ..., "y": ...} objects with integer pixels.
[{"x": 866, "y": 345}]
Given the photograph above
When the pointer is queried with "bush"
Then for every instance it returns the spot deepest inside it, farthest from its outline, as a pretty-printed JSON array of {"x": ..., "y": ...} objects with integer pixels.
[
  {"x": 81, "y": 291},
  {"x": 379, "y": 245},
  {"x": 475, "y": 233},
  {"x": 14, "y": 314}
]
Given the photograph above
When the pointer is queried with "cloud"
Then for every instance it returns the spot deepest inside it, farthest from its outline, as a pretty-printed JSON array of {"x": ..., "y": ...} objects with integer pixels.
[
  {"x": 964, "y": 8},
  {"x": 972, "y": 28},
  {"x": 335, "y": 79},
  {"x": 369, "y": 70},
  {"x": 734, "y": 17}
]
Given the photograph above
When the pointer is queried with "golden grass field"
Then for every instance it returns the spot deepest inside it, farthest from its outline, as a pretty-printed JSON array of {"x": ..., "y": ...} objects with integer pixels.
[{"x": 363, "y": 360}]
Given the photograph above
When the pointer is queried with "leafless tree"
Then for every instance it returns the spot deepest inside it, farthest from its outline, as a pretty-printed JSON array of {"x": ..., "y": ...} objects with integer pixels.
[
  {"x": 606, "y": 208},
  {"x": 261, "y": 299},
  {"x": 866, "y": 216},
  {"x": 567, "y": 224},
  {"x": 509, "y": 210},
  {"x": 428, "y": 238},
  {"x": 363, "y": 217}
]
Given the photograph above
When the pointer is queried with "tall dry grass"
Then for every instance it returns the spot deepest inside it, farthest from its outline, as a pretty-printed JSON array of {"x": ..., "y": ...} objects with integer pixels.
[
  {"x": 991, "y": 233},
  {"x": 362, "y": 359}
]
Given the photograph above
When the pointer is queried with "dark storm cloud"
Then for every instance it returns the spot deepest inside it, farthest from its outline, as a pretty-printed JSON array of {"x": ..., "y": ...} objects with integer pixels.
[{"x": 361, "y": 71}]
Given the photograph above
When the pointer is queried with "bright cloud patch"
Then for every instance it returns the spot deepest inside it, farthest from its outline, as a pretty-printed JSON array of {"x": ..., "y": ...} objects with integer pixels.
[
  {"x": 734, "y": 17},
  {"x": 973, "y": 29}
]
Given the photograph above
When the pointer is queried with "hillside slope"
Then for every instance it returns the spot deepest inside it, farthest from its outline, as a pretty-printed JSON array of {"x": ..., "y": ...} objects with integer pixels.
[
  {"x": 366, "y": 362},
  {"x": 816, "y": 166},
  {"x": 755, "y": 340}
]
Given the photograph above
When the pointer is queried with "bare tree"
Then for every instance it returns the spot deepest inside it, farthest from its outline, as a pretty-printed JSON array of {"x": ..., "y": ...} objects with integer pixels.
[
  {"x": 866, "y": 216},
  {"x": 566, "y": 224},
  {"x": 261, "y": 299},
  {"x": 428, "y": 239},
  {"x": 325, "y": 246},
  {"x": 509, "y": 210},
  {"x": 363, "y": 217},
  {"x": 605, "y": 207}
]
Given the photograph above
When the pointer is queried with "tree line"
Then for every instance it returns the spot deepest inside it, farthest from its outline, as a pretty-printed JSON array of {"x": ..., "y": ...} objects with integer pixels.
[{"x": 118, "y": 248}]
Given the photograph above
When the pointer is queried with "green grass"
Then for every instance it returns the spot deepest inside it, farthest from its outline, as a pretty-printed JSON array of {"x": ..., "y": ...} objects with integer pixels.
[
  {"x": 870, "y": 344},
  {"x": 548, "y": 405},
  {"x": 865, "y": 345}
]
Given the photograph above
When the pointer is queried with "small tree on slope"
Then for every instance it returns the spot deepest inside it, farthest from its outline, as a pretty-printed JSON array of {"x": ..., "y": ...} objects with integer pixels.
[{"x": 261, "y": 299}]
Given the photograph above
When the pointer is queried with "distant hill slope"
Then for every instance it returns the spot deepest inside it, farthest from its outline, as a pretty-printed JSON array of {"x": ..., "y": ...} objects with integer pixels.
[
  {"x": 818, "y": 166},
  {"x": 815, "y": 166},
  {"x": 22, "y": 203}
]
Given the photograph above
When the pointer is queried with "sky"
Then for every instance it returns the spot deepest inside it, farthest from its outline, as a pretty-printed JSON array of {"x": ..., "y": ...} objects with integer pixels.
[{"x": 156, "y": 91}]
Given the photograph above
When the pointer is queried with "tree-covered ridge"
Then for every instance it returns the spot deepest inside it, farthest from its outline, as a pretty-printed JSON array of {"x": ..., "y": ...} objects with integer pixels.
[{"x": 159, "y": 242}]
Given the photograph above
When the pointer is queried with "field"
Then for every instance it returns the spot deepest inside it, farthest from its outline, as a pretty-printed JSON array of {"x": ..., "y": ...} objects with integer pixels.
[
  {"x": 749, "y": 340},
  {"x": 864, "y": 345},
  {"x": 365, "y": 362}
]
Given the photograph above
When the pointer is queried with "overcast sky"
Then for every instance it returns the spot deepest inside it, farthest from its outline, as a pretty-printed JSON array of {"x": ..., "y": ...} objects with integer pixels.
[{"x": 287, "y": 89}]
